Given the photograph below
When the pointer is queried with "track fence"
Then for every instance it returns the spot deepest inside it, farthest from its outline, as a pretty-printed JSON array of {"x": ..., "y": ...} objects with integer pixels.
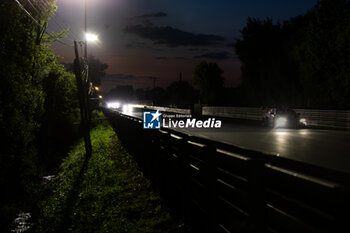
[{"x": 314, "y": 117}]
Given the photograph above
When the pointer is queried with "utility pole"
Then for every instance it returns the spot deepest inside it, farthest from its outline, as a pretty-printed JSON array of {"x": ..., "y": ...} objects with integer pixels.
[
  {"x": 84, "y": 86},
  {"x": 87, "y": 78},
  {"x": 85, "y": 29},
  {"x": 81, "y": 74}
]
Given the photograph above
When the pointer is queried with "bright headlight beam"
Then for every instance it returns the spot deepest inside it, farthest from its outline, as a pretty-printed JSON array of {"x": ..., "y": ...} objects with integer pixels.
[
  {"x": 127, "y": 109},
  {"x": 113, "y": 105},
  {"x": 303, "y": 121},
  {"x": 281, "y": 122}
]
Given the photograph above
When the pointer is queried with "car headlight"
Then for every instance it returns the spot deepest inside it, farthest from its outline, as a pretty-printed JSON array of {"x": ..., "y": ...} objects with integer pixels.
[
  {"x": 127, "y": 109},
  {"x": 302, "y": 121},
  {"x": 281, "y": 122},
  {"x": 113, "y": 105}
]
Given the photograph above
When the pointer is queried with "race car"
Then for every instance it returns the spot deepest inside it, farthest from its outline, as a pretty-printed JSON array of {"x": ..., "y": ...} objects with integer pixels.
[{"x": 283, "y": 118}]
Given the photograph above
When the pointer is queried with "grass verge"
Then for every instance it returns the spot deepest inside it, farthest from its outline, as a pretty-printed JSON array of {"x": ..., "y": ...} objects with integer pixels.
[{"x": 109, "y": 194}]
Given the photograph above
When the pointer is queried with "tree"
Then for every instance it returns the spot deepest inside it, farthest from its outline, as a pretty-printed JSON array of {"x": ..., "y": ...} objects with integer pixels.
[
  {"x": 124, "y": 94},
  {"x": 209, "y": 78},
  {"x": 21, "y": 104},
  {"x": 261, "y": 51},
  {"x": 158, "y": 95},
  {"x": 25, "y": 61},
  {"x": 181, "y": 94},
  {"x": 325, "y": 53},
  {"x": 96, "y": 70},
  {"x": 58, "y": 124},
  {"x": 303, "y": 62}
]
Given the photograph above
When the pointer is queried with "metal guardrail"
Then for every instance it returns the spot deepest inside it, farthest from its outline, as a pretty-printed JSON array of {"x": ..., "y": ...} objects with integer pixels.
[
  {"x": 217, "y": 187},
  {"x": 330, "y": 118},
  {"x": 235, "y": 112},
  {"x": 164, "y": 109}
]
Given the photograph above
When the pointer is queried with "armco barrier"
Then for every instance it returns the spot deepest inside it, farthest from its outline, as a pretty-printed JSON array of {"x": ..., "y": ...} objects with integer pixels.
[
  {"x": 164, "y": 109},
  {"x": 217, "y": 187},
  {"x": 234, "y": 112},
  {"x": 331, "y": 118}
]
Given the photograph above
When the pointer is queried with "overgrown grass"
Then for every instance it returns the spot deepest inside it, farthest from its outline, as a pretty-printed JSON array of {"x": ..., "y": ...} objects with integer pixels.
[{"x": 109, "y": 195}]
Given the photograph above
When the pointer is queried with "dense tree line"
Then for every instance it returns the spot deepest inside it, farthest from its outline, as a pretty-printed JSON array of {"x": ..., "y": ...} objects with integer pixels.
[
  {"x": 96, "y": 70},
  {"x": 302, "y": 62},
  {"x": 179, "y": 94},
  {"x": 37, "y": 105},
  {"x": 211, "y": 83}
]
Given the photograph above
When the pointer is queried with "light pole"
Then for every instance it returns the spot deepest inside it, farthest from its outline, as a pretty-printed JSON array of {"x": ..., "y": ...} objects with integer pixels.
[
  {"x": 84, "y": 87},
  {"x": 89, "y": 37},
  {"x": 85, "y": 20}
]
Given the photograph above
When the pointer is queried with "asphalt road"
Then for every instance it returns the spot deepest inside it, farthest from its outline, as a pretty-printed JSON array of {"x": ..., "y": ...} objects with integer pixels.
[{"x": 325, "y": 148}]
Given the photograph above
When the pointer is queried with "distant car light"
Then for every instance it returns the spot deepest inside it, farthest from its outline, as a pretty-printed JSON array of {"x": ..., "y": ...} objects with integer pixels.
[
  {"x": 113, "y": 105},
  {"x": 127, "y": 109},
  {"x": 303, "y": 121},
  {"x": 281, "y": 122}
]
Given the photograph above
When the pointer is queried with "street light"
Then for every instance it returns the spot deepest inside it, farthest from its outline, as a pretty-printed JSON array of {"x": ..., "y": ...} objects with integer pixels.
[{"x": 90, "y": 37}]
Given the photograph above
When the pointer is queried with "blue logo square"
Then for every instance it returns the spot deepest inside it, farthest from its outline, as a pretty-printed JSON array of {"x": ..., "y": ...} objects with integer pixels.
[{"x": 151, "y": 120}]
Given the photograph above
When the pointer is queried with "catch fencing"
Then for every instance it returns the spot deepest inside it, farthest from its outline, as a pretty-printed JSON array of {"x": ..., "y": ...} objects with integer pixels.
[
  {"x": 217, "y": 187},
  {"x": 333, "y": 118},
  {"x": 314, "y": 117},
  {"x": 164, "y": 109}
]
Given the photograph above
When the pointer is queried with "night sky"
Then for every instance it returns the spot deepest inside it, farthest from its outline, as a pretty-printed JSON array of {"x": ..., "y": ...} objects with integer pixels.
[{"x": 143, "y": 40}]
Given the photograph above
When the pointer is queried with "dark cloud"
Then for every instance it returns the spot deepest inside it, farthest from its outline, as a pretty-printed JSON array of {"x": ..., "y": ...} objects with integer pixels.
[
  {"x": 112, "y": 80},
  {"x": 125, "y": 77},
  {"x": 215, "y": 56},
  {"x": 138, "y": 45},
  {"x": 180, "y": 58},
  {"x": 231, "y": 45},
  {"x": 153, "y": 15},
  {"x": 173, "y": 37},
  {"x": 159, "y": 50},
  {"x": 147, "y": 23},
  {"x": 197, "y": 49},
  {"x": 171, "y": 58}
]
